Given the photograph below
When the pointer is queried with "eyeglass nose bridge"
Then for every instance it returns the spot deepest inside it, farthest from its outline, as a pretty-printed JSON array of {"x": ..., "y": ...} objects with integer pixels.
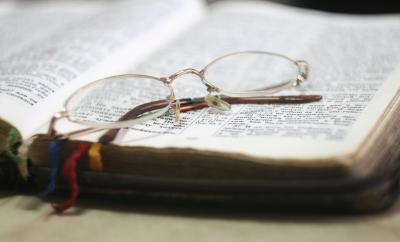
[
  {"x": 171, "y": 78},
  {"x": 210, "y": 88}
]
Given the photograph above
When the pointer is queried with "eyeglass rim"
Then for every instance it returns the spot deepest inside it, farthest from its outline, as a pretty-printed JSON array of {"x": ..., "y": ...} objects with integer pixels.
[
  {"x": 301, "y": 75},
  {"x": 119, "y": 124}
]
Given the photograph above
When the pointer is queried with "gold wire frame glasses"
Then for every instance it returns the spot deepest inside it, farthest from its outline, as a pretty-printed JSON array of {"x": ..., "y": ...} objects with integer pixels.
[{"x": 247, "y": 77}]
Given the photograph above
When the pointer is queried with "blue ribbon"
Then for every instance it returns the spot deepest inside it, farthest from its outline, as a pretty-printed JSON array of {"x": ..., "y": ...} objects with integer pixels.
[{"x": 53, "y": 153}]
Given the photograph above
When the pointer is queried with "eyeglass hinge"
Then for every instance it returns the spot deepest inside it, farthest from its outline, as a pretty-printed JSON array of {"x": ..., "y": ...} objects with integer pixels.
[{"x": 51, "y": 131}]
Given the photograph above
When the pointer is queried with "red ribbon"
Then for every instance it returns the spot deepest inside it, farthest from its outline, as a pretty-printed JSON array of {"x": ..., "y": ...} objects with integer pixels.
[{"x": 69, "y": 173}]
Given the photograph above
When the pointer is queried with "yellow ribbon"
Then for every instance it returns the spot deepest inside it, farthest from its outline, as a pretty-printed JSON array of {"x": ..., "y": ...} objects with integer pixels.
[{"x": 95, "y": 159}]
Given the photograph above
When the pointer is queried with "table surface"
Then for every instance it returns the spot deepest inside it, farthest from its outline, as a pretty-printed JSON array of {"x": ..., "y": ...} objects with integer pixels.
[{"x": 26, "y": 218}]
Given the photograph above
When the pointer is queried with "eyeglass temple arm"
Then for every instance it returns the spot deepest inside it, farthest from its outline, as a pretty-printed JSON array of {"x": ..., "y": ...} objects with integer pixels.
[{"x": 188, "y": 104}]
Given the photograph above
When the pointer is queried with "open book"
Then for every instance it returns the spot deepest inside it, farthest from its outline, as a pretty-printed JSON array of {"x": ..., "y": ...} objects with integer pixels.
[{"x": 350, "y": 139}]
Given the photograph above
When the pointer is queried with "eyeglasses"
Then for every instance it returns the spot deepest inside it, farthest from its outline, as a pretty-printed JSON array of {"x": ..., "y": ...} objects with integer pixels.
[{"x": 115, "y": 102}]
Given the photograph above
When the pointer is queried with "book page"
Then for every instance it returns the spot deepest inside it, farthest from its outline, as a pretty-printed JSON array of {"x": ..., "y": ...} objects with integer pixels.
[
  {"x": 22, "y": 23},
  {"x": 353, "y": 63},
  {"x": 42, "y": 65}
]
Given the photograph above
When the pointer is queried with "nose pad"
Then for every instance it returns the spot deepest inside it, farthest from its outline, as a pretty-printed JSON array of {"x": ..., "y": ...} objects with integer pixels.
[
  {"x": 217, "y": 102},
  {"x": 176, "y": 109}
]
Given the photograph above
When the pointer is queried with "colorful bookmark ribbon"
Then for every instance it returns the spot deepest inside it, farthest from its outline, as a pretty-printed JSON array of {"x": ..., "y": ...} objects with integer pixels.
[
  {"x": 54, "y": 148},
  {"x": 69, "y": 170},
  {"x": 95, "y": 159},
  {"x": 69, "y": 173},
  {"x": 12, "y": 139}
]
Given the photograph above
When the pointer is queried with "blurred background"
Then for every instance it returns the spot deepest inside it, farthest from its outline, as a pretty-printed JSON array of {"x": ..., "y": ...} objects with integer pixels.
[
  {"x": 345, "y": 6},
  {"x": 342, "y": 6}
]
